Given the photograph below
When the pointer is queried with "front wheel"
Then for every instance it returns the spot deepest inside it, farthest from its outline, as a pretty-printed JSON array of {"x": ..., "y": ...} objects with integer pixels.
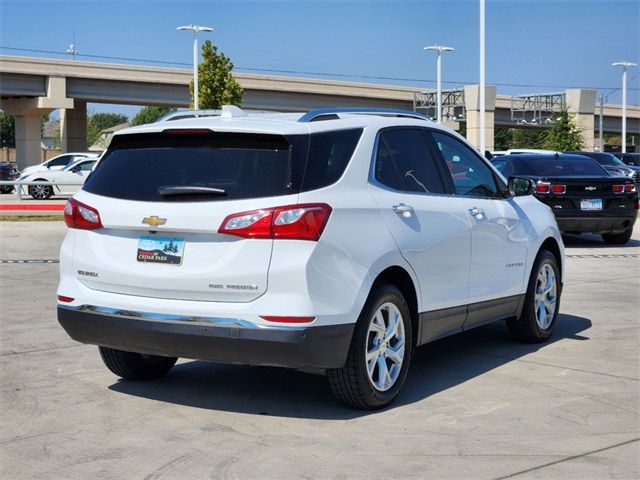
[
  {"x": 542, "y": 302},
  {"x": 136, "y": 366},
  {"x": 380, "y": 352},
  {"x": 617, "y": 238},
  {"x": 40, "y": 192}
]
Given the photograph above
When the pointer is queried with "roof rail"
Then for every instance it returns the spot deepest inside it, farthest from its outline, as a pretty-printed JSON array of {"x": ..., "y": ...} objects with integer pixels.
[
  {"x": 332, "y": 113},
  {"x": 227, "y": 111}
]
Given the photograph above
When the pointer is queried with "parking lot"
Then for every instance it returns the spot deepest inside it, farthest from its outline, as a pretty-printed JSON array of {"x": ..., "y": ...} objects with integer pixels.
[{"x": 476, "y": 405}]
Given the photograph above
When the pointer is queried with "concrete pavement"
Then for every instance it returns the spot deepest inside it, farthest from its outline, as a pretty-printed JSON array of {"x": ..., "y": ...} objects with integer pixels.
[{"x": 476, "y": 405}]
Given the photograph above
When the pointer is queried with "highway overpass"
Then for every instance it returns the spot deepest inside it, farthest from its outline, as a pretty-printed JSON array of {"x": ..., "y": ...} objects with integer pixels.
[{"x": 31, "y": 87}]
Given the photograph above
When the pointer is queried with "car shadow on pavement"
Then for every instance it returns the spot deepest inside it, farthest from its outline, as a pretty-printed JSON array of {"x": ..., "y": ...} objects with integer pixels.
[
  {"x": 286, "y": 393},
  {"x": 593, "y": 241}
]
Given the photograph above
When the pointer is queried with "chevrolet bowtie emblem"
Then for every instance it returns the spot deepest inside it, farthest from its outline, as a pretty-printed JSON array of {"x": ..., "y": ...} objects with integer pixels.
[
  {"x": 154, "y": 221},
  {"x": 589, "y": 188}
]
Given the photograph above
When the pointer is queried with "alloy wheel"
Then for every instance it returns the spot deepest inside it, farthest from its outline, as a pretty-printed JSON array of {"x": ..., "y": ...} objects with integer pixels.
[
  {"x": 385, "y": 347},
  {"x": 545, "y": 296}
]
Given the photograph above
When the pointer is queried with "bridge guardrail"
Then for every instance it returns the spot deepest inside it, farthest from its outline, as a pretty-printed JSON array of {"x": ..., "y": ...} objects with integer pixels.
[{"x": 18, "y": 185}]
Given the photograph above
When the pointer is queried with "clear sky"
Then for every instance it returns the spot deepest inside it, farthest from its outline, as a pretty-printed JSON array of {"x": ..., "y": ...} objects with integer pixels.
[{"x": 532, "y": 46}]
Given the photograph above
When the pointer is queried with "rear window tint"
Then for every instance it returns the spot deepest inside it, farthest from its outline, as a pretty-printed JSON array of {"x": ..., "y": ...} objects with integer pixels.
[
  {"x": 552, "y": 167},
  {"x": 244, "y": 166}
]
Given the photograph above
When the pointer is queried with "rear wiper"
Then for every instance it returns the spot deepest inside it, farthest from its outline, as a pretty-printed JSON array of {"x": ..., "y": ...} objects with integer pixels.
[{"x": 170, "y": 190}]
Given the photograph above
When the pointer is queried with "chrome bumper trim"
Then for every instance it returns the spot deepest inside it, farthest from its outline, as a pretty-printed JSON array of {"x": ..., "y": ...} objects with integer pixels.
[{"x": 171, "y": 318}]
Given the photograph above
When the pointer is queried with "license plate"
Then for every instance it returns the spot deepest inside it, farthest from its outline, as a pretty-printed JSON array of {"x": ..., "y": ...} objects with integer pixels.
[
  {"x": 160, "y": 250},
  {"x": 591, "y": 204}
]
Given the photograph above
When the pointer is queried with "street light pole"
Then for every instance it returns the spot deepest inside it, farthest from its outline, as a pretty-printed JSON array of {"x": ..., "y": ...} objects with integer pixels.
[
  {"x": 624, "y": 66},
  {"x": 482, "y": 82},
  {"x": 439, "y": 49},
  {"x": 195, "y": 29}
]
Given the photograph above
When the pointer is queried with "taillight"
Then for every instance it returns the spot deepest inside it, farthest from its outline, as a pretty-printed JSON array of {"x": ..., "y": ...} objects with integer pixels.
[
  {"x": 618, "y": 188},
  {"x": 559, "y": 189},
  {"x": 629, "y": 188},
  {"x": 293, "y": 222},
  {"x": 80, "y": 216},
  {"x": 62, "y": 298},
  {"x": 543, "y": 187}
]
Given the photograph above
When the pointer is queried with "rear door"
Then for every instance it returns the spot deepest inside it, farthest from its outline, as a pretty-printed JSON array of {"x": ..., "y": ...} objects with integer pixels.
[
  {"x": 429, "y": 226},
  {"x": 166, "y": 245},
  {"x": 499, "y": 228}
]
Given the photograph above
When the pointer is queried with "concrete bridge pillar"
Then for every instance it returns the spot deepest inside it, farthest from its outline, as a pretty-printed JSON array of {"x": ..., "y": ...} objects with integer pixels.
[
  {"x": 472, "y": 105},
  {"x": 27, "y": 112},
  {"x": 73, "y": 127},
  {"x": 581, "y": 102}
]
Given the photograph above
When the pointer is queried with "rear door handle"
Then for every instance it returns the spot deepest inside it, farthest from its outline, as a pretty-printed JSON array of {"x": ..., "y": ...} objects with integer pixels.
[
  {"x": 477, "y": 212},
  {"x": 404, "y": 210}
]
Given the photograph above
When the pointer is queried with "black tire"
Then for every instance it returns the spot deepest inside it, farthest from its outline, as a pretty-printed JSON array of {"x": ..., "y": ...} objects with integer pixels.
[
  {"x": 6, "y": 189},
  {"x": 617, "y": 238},
  {"x": 40, "y": 192},
  {"x": 351, "y": 383},
  {"x": 526, "y": 327},
  {"x": 136, "y": 366}
]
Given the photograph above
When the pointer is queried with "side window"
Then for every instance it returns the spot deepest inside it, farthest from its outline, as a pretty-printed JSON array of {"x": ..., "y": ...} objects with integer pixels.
[
  {"x": 61, "y": 161},
  {"x": 470, "y": 175},
  {"x": 86, "y": 166},
  {"x": 404, "y": 162}
]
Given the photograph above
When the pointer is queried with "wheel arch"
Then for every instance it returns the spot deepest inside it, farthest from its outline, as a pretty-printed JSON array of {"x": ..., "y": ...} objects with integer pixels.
[
  {"x": 552, "y": 245},
  {"x": 399, "y": 277}
]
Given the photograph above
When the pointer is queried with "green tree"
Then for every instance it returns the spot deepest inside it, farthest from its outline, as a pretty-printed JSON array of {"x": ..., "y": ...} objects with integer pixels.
[
  {"x": 100, "y": 121},
  {"x": 527, "y": 138},
  {"x": 7, "y": 130},
  {"x": 503, "y": 138},
  {"x": 564, "y": 135},
  {"x": 216, "y": 85},
  {"x": 150, "y": 115}
]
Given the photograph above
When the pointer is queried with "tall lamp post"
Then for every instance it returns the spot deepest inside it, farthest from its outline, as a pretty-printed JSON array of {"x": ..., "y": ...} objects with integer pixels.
[
  {"x": 195, "y": 29},
  {"x": 439, "y": 49},
  {"x": 624, "y": 66},
  {"x": 482, "y": 81}
]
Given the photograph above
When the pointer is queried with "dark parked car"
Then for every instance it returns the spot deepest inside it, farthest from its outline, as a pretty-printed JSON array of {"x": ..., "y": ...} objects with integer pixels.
[
  {"x": 582, "y": 195},
  {"x": 629, "y": 159},
  {"x": 7, "y": 173},
  {"x": 612, "y": 164}
]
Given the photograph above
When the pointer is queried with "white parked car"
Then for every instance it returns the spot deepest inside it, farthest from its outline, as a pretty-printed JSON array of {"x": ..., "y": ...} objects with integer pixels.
[
  {"x": 59, "y": 162},
  {"x": 332, "y": 242},
  {"x": 75, "y": 173}
]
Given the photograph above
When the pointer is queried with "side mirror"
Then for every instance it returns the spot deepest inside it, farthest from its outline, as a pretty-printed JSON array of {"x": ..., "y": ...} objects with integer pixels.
[{"x": 520, "y": 187}]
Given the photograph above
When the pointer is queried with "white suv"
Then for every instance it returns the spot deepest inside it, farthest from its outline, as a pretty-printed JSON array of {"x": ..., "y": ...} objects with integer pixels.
[{"x": 331, "y": 242}]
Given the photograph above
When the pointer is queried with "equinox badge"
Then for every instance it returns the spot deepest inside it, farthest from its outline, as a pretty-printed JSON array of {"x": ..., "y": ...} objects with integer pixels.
[{"x": 154, "y": 220}]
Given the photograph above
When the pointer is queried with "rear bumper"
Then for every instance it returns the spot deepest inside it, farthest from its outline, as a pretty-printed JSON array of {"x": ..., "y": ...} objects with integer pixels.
[
  {"x": 231, "y": 341},
  {"x": 595, "y": 224}
]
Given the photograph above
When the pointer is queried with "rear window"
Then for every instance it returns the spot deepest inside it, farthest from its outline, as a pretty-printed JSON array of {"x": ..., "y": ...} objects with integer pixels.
[
  {"x": 548, "y": 166},
  {"x": 231, "y": 165}
]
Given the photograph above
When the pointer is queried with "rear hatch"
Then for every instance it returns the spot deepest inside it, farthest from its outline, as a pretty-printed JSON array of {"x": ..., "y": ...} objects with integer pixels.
[{"x": 161, "y": 198}]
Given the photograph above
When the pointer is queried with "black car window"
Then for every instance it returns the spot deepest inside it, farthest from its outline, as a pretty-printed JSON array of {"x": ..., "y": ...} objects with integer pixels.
[
  {"x": 329, "y": 154},
  {"x": 404, "y": 162},
  {"x": 557, "y": 167},
  {"x": 470, "y": 175},
  {"x": 242, "y": 165},
  {"x": 60, "y": 161}
]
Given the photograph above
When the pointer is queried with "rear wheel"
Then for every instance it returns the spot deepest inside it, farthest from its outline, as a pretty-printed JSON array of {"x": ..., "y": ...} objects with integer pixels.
[
  {"x": 617, "y": 238},
  {"x": 542, "y": 302},
  {"x": 136, "y": 366},
  {"x": 6, "y": 189},
  {"x": 40, "y": 192},
  {"x": 380, "y": 352}
]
